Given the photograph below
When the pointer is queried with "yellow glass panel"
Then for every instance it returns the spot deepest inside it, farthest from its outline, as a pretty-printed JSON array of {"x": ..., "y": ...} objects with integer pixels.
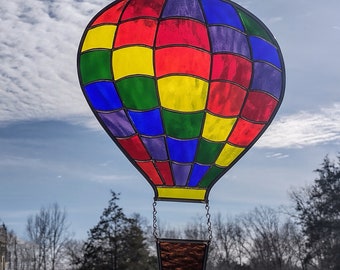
[
  {"x": 181, "y": 193},
  {"x": 134, "y": 60},
  {"x": 217, "y": 128},
  {"x": 183, "y": 93},
  {"x": 99, "y": 37},
  {"x": 228, "y": 155}
]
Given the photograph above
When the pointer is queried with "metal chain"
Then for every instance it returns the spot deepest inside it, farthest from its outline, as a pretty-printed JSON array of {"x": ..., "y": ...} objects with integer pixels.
[
  {"x": 155, "y": 225},
  {"x": 207, "y": 207}
]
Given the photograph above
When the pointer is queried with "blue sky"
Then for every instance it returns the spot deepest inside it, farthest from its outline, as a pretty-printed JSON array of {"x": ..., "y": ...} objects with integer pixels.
[{"x": 53, "y": 150}]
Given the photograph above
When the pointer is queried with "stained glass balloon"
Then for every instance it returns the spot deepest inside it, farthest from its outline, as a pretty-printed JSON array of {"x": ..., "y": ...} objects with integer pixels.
[{"x": 183, "y": 87}]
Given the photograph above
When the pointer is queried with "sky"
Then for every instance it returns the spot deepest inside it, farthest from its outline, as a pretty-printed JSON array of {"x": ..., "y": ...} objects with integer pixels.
[{"x": 53, "y": 150}]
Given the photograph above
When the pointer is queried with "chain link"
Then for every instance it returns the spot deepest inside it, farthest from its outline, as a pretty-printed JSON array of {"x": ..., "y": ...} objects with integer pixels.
[
  {"x": 207, "y": 208},
  {"x": 155, "y": 225}
]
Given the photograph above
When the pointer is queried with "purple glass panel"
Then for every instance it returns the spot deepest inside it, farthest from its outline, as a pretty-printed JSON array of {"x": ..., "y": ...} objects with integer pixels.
[
  {"x": 156, "y": 147},
  {"x": 226, "y": 39},
  {"x": 118, "y": 123},
  {"x": 181, "y": 173},
  {"x": 267, "y": 78},
  {"x": 183, "y": 8}
]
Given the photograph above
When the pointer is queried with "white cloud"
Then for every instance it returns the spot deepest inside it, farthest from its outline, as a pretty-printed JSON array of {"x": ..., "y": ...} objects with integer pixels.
[
  {"x": 303, "y": 128},
  {"x": 38, "y": 48}
]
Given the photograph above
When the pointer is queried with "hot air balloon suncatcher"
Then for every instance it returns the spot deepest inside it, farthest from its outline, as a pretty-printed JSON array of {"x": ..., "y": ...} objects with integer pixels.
[{"x": 184, "y": 88}]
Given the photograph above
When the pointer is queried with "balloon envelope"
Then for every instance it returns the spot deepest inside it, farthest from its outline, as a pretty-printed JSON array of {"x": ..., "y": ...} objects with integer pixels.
[{"x": 183, "y": 87}]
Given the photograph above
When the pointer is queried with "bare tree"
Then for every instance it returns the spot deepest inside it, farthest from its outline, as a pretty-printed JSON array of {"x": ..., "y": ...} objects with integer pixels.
[{"x": 47, "y": 233}]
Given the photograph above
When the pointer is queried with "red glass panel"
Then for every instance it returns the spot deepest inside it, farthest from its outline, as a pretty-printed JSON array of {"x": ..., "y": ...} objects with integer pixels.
[
  {"x": 259, "y": 106},
  {"x": 225, "y": 98},
  {"x": 181, "y": 31},
  {"x": 140, "y": 31},
  {"x": 182, "y": 60},
  {"x": 143, "y": 8},
  {"x": 111, "y": 15},
  {"x": 151, "y": 172},
  {"x": 232, "y": 68},
  {"x": 165, "y": 172},
  {"x": 134, "y": 147},
  {"x": 244, "y": 133}
]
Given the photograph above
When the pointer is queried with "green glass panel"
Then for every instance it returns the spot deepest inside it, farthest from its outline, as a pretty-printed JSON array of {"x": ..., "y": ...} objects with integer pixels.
[
  {"x": 208, "y": 151},
  {"x": 95, "y": 66},
  {"x": 138, "y": 92},
  {"x": 253, "y": 27},
  {"x": 175, "y": 121},
  {"x": 213, "y": 174}
]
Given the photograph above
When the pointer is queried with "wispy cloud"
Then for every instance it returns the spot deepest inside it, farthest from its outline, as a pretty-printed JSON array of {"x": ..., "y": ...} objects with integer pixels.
[{"x": 303, "y": 129}]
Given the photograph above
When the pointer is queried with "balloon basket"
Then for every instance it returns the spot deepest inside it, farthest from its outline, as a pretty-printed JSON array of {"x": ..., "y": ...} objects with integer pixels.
[{"x": 182, "y": 254}]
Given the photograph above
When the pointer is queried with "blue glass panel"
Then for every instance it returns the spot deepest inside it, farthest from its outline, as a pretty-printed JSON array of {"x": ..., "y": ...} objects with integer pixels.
[
  {"x": 117, "y": 123},
  {"x": 147, "y": 123},
  {"x": 197, "y": 173},
  {"x": 182, "y": 150},
  {"x": 156, "y": 147},
  {"x": 262, "y": 50},
  {"x": 267, "y": 78},
  {"x": 183, "y": 8},
  {"x": 220, "y": 12},
  {"x": 226, "y": 39},
  {"x": 103, "y": 96},
  {"x": 181, "y": 173}
]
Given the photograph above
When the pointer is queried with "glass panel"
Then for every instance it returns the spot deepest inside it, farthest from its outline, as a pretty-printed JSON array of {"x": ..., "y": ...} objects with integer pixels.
[
  {"x": 99, "y": 37},
  {"x": 156, "y": 147},
  {"x": 176, "y": 193},
  {"x": 244, "y": 133},
  {"x": 267, "y": 78},
  {"x": 198, "y": 171},
  {"x": 228, "y": 155},
  {"x": 181, "y": 173},
  {"x": 165, "y": 172},
  {"x": 183, "y": 8},
  {"x": 220, "y": 12},
  {"x": 259, "y": 107},
  {"x": 208, "y": 152},
  {"x": 103, "y": 96},
  {"x": 135, "y": 148},
  {"x": 264, "y": 51},
  {"x": 136, "y": 32},
  {"x": 95, "y": 66},
  {"x": 253, "y": 27},
  {"x": 150, "y": 170},
  {"x": 226, "y": 39},
  {"x": 177, "y": 60},
  {"x": 232, "y": 68},
  {"x": 182, "y": 151},
  {"x": 143, "y": 8},
  {"x": 132, "y": 61},
  {"x": 138, "y": 93},
  {"x": 213, "y": 174},
  {"x": 225, "y": 99},
  {"x": 174, "y": 123},
  {"x": 217, "y": 128},
  {"x": 183, "y": 93},
  {"x": 147, "y": 123},
  {"x": 180, "y": 31},
  {"x": 111, "y": 15},
  {"x": 117, "y": 123}
]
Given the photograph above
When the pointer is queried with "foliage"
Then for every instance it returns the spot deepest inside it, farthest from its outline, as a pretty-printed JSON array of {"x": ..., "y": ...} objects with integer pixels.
[
  {"x": 318, "y": 208},
  {"x": 117, "y": 242}
]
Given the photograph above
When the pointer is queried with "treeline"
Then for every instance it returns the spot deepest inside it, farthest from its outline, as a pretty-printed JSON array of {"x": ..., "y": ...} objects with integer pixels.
[{"x": 303, "y": 237}]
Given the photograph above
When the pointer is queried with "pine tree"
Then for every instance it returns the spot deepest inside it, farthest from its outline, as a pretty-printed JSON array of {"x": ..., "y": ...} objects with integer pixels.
[{"x": 116, "y": 242}]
